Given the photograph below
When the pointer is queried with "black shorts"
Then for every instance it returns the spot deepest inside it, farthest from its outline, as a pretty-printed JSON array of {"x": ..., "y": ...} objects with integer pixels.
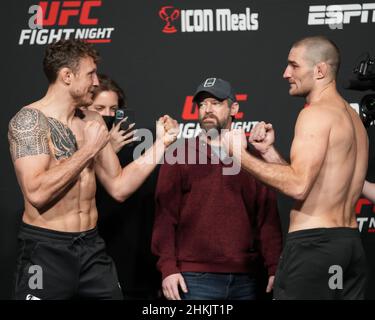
[
  {"x": 322, "y": 263},
  {"x": 63, "y": 265}
]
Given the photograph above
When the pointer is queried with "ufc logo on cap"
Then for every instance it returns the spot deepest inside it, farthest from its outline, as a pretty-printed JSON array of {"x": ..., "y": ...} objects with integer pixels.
[{"x": 210, "y": 82}]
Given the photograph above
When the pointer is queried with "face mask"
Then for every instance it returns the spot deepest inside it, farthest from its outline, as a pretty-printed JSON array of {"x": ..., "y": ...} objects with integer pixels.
[{"x": 109, "y": 121}]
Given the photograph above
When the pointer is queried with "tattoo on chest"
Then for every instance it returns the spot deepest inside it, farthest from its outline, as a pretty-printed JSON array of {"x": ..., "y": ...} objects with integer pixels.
[{"x": 62, "y": 138}]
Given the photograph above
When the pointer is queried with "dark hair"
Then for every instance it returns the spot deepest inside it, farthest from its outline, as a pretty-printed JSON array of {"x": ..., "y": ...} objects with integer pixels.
[
  {"x": 66, "y": 53},
  {"x": 107, "y": 84}
]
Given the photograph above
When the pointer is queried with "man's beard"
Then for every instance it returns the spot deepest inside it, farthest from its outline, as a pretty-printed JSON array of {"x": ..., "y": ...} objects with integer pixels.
[
  {"x": 212, "y": 128},
  {"x": 83, "y": 100}
]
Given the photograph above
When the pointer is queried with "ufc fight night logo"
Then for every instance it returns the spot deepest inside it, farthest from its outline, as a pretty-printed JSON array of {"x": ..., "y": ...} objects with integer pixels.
[
  {"x": 337, "y": 15},
  {"x": 49, "y": 21}
]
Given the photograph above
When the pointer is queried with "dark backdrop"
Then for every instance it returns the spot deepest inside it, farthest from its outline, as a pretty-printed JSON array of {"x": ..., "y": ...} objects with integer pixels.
[{"x": 160, "y": 71}]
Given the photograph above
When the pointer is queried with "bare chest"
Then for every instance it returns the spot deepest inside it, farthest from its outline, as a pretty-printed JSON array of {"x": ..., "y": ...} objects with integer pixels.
[{"x": 63, "y": 142}]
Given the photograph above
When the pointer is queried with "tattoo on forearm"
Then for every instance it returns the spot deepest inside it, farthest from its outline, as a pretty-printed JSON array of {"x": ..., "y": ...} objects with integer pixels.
[
  {"x": 63, "y": 139},
  {"x": 28, "y": 134}
]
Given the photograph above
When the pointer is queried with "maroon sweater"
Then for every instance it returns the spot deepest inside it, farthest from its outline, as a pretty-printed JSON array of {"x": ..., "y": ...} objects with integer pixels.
[{"x": 209, "y": 222}]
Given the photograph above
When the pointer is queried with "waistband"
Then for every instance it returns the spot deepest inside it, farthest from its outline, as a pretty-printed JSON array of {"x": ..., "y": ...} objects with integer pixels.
[
  {"x": 48, "y": 234},
  {"x": 321, "y": 232}
]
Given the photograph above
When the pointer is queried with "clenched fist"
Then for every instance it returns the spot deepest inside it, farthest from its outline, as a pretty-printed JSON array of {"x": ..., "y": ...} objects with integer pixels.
[
  {"x": 95, "y": 136},
  {"x": 167, "y": 130},
  {"x": 262, "y": 137}
]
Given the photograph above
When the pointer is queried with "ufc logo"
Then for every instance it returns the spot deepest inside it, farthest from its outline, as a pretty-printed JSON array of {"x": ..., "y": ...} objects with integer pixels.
[
  {"x": 363, "y": 202},
  {"x": 60, "y": 12},
  {"x": 190, "y": 110}
]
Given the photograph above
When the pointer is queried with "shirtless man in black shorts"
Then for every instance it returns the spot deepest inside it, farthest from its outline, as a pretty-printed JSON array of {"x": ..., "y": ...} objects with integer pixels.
[
  {"x": 323, "y": 257},
  {"x": 56, "y": 156}
]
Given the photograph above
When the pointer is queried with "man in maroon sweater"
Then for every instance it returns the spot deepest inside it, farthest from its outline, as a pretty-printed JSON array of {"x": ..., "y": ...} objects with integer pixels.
[{"x": 213, "y": 231}]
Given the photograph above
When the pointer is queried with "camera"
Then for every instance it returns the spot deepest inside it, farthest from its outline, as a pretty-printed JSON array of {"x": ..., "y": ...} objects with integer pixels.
[
  {"x": 367, "y": 109},
  {"x": 365, "y": 80}
]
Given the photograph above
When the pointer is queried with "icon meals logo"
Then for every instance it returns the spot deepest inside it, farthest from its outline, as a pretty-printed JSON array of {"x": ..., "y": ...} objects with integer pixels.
[
  {"x": 48, "y": 20},
  {"x": 207, "y": 20},
  {"x": 169, "y": 14}
]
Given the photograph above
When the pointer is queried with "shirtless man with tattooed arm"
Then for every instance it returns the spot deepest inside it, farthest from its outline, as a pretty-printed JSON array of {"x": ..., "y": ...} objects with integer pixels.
[{"x": 56, "y": 155}]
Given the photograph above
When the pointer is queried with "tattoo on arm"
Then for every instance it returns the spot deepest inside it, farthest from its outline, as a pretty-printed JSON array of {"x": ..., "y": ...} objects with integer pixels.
[{"x": 28, "y": 134}]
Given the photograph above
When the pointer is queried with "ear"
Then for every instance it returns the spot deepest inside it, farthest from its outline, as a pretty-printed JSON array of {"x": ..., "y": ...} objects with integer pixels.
[
  {"x": 321, "y": 70},
  {"x": 234, "y": 108},
  {"x": 66, "y": 75}
]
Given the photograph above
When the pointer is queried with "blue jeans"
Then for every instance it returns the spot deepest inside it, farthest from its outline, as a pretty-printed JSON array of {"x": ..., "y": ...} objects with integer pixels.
[{"x": 219, "y": 286}]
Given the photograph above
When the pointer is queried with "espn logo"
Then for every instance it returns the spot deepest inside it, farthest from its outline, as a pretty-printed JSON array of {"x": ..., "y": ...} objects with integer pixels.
[{"x": 341, "y": 14}]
